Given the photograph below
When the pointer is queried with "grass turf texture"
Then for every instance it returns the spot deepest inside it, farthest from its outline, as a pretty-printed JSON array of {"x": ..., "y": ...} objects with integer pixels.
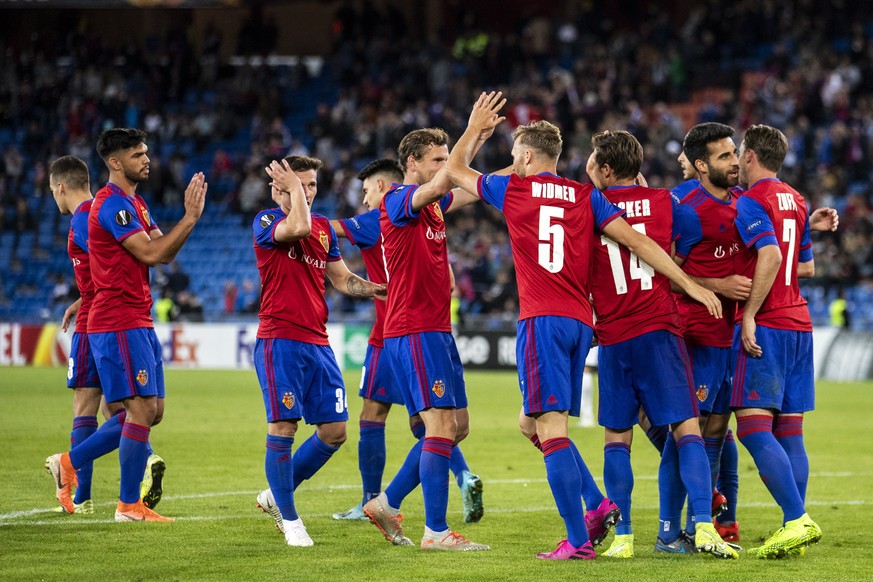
[{"x": 212, "y": 438}]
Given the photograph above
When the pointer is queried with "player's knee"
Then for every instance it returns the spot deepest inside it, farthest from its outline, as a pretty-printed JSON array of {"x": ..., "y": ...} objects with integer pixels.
[
  {"x": 374, "y": 411},
  {"x": 526, "y": 425},
  {"x": 332, "y": 433}
]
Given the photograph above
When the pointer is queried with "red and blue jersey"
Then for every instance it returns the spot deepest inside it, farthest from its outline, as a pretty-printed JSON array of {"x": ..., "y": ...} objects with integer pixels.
[
  {"x": 292, "y": 279},
  {"x": 552, "y": 223},
  {"x": 122, "y": 298},
  {"x": 681, "y": 190},
  {"x": 365, "y": 232},
  {"x": 773, "y": 213},
  {"x": 77, "y": 249},
  {"x": 417, "y": 263},
  {"x": 630, "y": 298},
  {"x": 710, "y": 245}
]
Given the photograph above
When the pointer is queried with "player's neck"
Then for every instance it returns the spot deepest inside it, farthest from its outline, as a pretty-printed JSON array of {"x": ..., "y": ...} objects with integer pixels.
[
  {"x": 123, "y": 183},
  {"x": 75, "y": 199},
  {"x": 627, "y": 182},
  {"x": 759, "y": 173},
  {"x": 536, "y": 169},
  {"x": 409, "y": 178},
  {"x": 715, "y": 191}
]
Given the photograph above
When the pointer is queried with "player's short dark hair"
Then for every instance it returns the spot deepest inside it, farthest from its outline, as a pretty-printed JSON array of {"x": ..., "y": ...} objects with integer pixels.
[
  {"x": 695, "y": 144},
  {"x": 416, "y": 143},
  {"x": 304, "y": 163},
  {"x": 72, "y": 171},
  {"x": 117, "y": 139},
  {"x": 621, "y": 150},
  {"x": 386, "y": 166},
  {"x": 769, "y": 144},
  {"x": 542, "y": 136}
]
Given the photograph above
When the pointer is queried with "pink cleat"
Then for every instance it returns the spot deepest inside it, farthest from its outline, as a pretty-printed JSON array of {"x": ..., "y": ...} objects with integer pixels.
[
  {"x": 565, "y": 551},
  {"x": 599, "y": 521}
]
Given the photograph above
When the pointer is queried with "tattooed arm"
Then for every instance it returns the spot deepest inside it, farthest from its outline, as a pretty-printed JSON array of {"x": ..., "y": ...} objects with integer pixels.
[{"x": 347, "y": 282}]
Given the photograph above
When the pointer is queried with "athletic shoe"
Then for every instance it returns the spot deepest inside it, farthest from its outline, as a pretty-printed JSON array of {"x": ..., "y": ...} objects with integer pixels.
[
  {"x": 453, "y": 542},
  {"x": 622, "y": 547},
  {"x": 729, "y": 533},
  {"x": 150, "y": 488},
  {"x": 719, "y": 503},
  {"x": 268, "y": 504},
  {"x": 707, "y": 540},
  {"x": 565, "y": 551},
  {"x": 85, "y": 508},
  {"x": 471, "y": 492},
  {"x": 356, "y": 513},
  {"x": 296, "y": 534},
  {"x": 684, "y": 544},
  {"x": 599, "y": 521},
  {"x": 62, "y": 471},
  {"x": 137, "y": 512},
  {"x": 796, "y": 534},
  {"x": 388, "y": 522}
]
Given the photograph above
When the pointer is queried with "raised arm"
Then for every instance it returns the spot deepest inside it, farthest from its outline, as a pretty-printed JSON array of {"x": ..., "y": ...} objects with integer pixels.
[
  {"x": 483, "y": 121},
  {"x": 338, "y": 228},
  {"x": 350, "y": 284},
  {"x": 288, "y": 192},
  {"x": 164, "y": 248}
]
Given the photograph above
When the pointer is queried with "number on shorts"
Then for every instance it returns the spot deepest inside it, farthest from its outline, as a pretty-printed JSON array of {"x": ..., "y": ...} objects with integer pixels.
[{"x": 341, "y": 400}]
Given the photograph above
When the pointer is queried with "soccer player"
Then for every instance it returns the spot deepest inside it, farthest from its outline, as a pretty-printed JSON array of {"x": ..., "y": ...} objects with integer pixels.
[
  {"x": 418, "y": 338},
  {"x": 123, "y": 241},
  {"x": 551, "y": 223},
  {"x": 379, "y": 389},
  {"x": 689, "y": 175},
  {"x": 296, "y": 368},
  {"x": 773, "y": 384}
]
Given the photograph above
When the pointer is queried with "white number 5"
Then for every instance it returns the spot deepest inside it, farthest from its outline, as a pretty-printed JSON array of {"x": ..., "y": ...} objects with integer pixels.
[{"x": 551, "y": 251}]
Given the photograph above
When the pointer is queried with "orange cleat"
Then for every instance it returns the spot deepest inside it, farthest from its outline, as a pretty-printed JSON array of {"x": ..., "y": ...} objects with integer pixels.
[
  {"x": 62, "y": 471},
  {"x": 137, "y": 512}
]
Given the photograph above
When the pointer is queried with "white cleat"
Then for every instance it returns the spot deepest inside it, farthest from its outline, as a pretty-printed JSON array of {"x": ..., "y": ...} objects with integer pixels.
[
  {"x": 267, "y": 503},
  {"x": 296, "y": 534}
]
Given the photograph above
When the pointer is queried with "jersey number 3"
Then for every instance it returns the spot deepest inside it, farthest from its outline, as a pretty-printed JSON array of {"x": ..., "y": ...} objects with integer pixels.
[{"x": 639, "y": 270}]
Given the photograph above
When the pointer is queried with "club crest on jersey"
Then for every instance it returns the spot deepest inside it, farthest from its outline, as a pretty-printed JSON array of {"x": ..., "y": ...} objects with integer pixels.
[
  {"x": 267, "y": 220},
  {"x": 142, "y": 377},
  {"x": 123, "y": 217},
  {"x": 439, "y": 388},
  {"x": 145, "y": 216},
  {"x": 438, "y": 211},
  {"x": 288, "y": 400},
  {"x": 325, "y": 241},
  {"x": 702, "y": 392}
]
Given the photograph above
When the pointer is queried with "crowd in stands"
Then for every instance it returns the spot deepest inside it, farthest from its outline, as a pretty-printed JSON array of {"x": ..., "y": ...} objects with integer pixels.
[{"x": 805, "y": 66}]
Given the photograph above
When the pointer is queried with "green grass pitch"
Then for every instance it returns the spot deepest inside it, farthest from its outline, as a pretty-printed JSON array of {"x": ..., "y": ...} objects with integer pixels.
[{"x": 212, "y": 438}]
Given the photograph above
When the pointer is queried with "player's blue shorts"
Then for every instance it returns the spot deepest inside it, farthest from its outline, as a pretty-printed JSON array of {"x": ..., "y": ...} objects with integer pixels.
[
  {"x": 82, "y": 370},
  {"x": 713, "y": 369},
  {"x": 550, "y": 352},
  {"x": 651, "y": 370},
  {"x": 782, "y": 378},
  {"x": 377, "y": 381},
  {"x": 129, "y": 363},
  {"x": 428, "y": 369},
  {"x": 300, "y": 380}
]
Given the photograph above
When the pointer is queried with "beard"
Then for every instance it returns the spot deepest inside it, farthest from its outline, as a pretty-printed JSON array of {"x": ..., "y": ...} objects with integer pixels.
[
  {"x": 134, "y": 178},
  {"x": 721, "y": 179}
]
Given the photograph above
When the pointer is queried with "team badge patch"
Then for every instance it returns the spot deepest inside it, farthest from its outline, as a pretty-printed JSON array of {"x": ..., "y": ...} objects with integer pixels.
[
  {"x": 145, "y": 216},
  {"x": 142, "y": 377},
  {"x": 439, "y": 388},
  {"x": 288, "y": 400},
  {"x": 702, "y": 392},
  {"x": 123, "y": 217},
  {"x": 325, "y": 240},
  {"x": 438, "y": 211},
  {"x": 267, "y": 220}
]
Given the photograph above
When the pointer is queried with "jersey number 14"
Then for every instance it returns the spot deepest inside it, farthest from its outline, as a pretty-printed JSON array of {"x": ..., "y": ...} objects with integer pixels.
[{"x": 639, "y": 270}]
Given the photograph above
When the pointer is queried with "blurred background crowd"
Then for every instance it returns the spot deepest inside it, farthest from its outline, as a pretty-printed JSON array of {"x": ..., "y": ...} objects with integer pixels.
[{"x": 804, "y": 66}]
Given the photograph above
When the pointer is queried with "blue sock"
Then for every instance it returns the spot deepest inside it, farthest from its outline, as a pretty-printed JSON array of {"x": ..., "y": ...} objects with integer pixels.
[
  {"x": 458, "y": 464},
  {"x": 149, "y": 450},
  {"x": 565, "y": 483},
  {"x": 591, "y": 494},
  {"x": 694, "y": 469},
  {"x": 310, "y": 457},
  {"x": 713, "y": 455},
  {"x": 418, "y": 430},
  {"x": 788, "y": 430},
  {"x": 104, "y": 440},
  {"x": 279, "y": 467},
  {"x": 83, "y": 427},
  {"x": 658, "y": 436},
  {"x": 436, "y": 453},
  {"x": 728, "y": 477},
  {"x": 671, "y": 492},
  {"x": 132, "y": 455},
  {"x": 619, "y": 480},
  {"x": 407, "y": 478},
  {"x": 756, "y": 434},
  {"x": 371, "y": 457}
]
